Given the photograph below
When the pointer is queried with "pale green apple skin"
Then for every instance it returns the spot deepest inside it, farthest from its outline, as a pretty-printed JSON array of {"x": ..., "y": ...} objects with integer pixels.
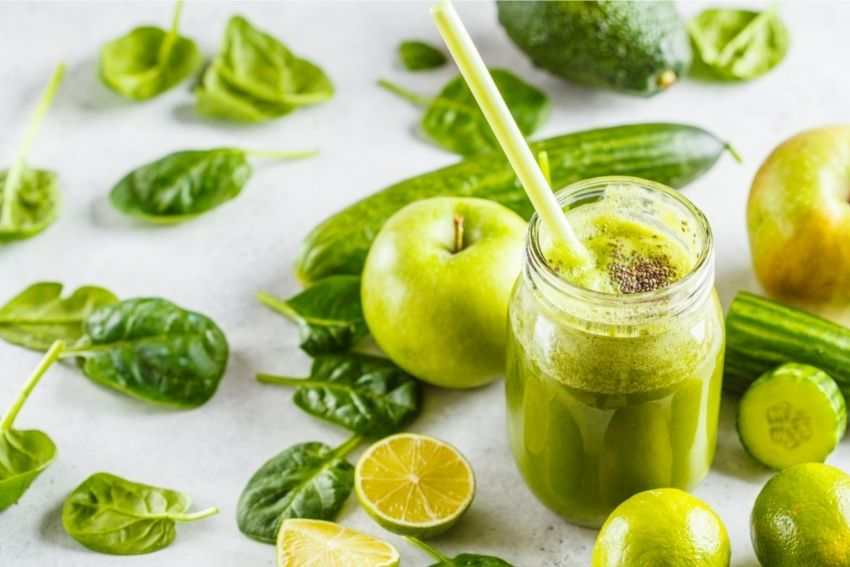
[
  {"x": 441, "y": 315},
  {"x": 798, "y": 217}
]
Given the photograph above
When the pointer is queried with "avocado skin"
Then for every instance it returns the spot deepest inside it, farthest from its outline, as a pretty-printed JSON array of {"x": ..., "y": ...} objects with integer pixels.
[{"x": 625, "y": 46}]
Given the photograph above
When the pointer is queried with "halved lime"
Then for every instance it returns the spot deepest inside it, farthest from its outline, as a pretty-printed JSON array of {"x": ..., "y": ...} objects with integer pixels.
[
  {"x": 414, "y": 485},
  {"x": 310, "y": 543}
]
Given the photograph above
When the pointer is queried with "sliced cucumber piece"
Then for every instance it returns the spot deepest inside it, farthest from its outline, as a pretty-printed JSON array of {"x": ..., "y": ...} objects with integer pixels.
[{"x": 791, "y": 415}]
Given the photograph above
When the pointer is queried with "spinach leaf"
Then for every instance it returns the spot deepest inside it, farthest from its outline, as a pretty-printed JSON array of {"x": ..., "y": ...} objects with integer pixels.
[
  {"x": 454, "y": 121},
  {"x": 462, "y": 560},
  {"x": 329, "y": 314},
  {"x": 155, "y": 351},
  {"x": 149, "y": 60},
  {"x": 109, "y": 514},
  {"x": 365, "y": 394},
  {"x": 184, "y": 185},
  {"x": 472, "y": 560},
  {"x": 24, "y": 454},
  {"x": 29, "y": 198},
  {"x": 216, "y": 98},
  {"x": 39, "y": 315},
  {"x": 256, "y": 78},
  {"x": 420, "y": 56},
  {"x": 308, "y": 480},
  {"x": 737, "y": 45}
]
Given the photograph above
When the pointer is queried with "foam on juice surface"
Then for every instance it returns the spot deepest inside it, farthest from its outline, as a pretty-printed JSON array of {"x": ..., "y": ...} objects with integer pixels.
[{"x": 628, "y": 253}]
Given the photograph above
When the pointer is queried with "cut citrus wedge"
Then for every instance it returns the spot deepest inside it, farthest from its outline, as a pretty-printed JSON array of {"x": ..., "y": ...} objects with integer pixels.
[
  {"x": 414, "y": 485},
  {"x": 314, "y": 543}
]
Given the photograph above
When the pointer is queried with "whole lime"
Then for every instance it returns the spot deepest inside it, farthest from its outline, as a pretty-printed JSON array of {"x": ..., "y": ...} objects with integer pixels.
[
  {"x": 662, "y": 528},
  {"x": 802, "y": 518}
]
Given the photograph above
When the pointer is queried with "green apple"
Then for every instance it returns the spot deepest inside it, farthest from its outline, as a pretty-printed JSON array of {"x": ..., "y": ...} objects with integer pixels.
[
  {"x": 798, "y": 218},
  {"x": 436, "y": 287}
]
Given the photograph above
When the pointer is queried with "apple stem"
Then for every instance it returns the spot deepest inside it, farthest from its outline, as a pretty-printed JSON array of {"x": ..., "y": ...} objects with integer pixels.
[{"x": 458, "y": 243}]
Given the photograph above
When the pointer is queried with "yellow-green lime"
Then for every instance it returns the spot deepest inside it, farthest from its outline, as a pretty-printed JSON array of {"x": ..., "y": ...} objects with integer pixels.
[
  {"x": 414, "y": 485},
  {"x": 314, "y": 543},
  {"x": 662, "y": 528},
  {"x": 802, "y": 518}
]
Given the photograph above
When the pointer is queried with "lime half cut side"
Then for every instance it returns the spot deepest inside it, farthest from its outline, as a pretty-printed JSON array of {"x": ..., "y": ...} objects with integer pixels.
[
  {"x": 315, "y": 543},
  {"x": 414, "y": 485}
]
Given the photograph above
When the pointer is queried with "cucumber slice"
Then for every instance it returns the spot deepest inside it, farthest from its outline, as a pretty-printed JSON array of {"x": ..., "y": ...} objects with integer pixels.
[{"x": 791, "y": 415}]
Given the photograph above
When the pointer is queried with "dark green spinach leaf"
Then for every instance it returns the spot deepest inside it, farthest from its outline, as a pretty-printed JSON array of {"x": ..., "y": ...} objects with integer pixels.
[
  {"x": 472, "y": 560},
  {"x": 109, "y": 514},
  {"x": 420, "y": 56},
  {"x": 308, "y": 480},
  {"x": 155, "y": 351},
  {"x": 462, "y": 560},
  {"x": 329, "y": 314},
  {"x": 39, "y": 315},
  {"x": 184, "y": 185},
  {"x": 737, "y": 45},
  {"x": 256, "y": 78},
  {"x": 368, "y": 395},
  {"x": 149, "y": 60},
  {"x": 24, "y": 454},
  {"x": 454, "y": 121},
  {"x": 29, "y": 198}
]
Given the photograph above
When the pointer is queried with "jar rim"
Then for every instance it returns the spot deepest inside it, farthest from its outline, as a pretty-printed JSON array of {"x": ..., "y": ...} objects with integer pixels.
[{"x": 686, "y": 287}]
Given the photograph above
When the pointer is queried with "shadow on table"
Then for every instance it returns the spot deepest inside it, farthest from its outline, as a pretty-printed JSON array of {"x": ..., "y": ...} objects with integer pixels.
[
  {"x": 731, "y": 458},
  {"x": 185, "y": 113},
  {"x": 52, "y": 531},
  {"x": 83, "y": 89},
  {"x": 104, "y": 215}
]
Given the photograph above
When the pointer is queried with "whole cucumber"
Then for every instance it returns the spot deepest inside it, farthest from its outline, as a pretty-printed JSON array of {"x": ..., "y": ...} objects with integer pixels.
[
  {"x": 762, "y": 334},
  {"x": 672, "y": 154},
  {"x": 635, "y": 47}
]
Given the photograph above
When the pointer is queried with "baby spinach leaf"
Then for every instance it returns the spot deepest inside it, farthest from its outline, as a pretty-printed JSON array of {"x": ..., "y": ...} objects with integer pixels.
[
  {"x": 256, "y": 78},
  {"x": 737, "y": 45},
  {"x": 184, "y": 185},
  {"x": 420, "y": 56},
  {"x": 329, "y": 314},
  {"x": 454, "y": 121},
  {"x": 24, "y": 454},
  {"x": 155, "y": 351},
  {"x": 308, "y": 480},
  {"x": 365, "y": 394},
  {"x": 109, "y": 514},
  {"x": 149, "y": 60},
  {"x": 39, "y": 315},
  {"x": 462, "y": 560},
  {"x": 217, "y": 98},
  {"x": 29, "y": 198}
]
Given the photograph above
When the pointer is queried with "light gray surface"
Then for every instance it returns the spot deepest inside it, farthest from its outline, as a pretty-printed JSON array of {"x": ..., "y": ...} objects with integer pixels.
[{"x": 216, "y": 263}]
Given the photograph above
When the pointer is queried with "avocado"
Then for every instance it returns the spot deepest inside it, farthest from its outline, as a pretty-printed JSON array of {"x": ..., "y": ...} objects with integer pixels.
[{"x": 634, "y": 47}]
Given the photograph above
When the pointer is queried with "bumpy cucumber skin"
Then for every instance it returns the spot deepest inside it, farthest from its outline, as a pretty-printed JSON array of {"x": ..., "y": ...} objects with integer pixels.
[
  {"x": 634, "y": 47},
  {"x": 762, "y": 334},
  {"x": 790, "y": 373},
  {"x": 672, "y": 154}
]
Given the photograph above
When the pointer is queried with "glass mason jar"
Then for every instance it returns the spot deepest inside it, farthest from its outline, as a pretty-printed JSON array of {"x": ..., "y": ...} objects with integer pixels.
[{"x": 611, "y": 394}]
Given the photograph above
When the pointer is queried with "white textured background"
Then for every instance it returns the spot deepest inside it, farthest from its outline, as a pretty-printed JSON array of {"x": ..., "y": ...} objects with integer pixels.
[{"x": 216, "y": 263}]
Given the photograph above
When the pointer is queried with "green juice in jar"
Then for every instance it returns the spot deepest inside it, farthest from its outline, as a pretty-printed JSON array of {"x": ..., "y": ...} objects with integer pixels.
[{"x": 615, "y": 364}]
